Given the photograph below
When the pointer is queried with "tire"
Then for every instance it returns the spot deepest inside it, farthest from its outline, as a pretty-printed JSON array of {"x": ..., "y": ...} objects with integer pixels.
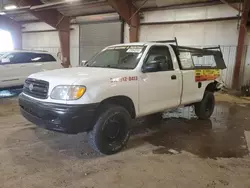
[
  {"x": 111, "y": 131},
  {"x": 205, "y": 108}
]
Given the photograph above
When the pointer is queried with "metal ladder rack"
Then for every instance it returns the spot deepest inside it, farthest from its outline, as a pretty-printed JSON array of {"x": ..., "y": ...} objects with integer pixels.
[
  {"x": 214, "y": 48},
  {"x": 167, "y": 41}
]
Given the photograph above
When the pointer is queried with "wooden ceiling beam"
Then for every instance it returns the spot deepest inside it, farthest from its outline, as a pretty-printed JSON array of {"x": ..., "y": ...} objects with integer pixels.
[{"x": 52, "y": 17}]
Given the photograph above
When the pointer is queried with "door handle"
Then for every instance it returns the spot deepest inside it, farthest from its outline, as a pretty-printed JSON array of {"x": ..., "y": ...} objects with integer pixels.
[{"x": 173, "y": 77}]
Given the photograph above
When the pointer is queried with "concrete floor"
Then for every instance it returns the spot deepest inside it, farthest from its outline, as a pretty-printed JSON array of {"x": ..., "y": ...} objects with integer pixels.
[{"x": 178, "y": 152}]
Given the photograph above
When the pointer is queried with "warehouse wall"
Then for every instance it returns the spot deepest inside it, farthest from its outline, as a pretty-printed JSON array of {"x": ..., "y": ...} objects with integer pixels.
[
  {"x": 49, "y": 40},
  {"x": 245, "y": 77},
  {"x": 224, "y": 33}
]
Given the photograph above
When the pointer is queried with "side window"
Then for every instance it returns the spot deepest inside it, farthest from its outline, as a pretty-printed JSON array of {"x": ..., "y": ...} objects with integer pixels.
[
  {"x": 28, "y": 57},
  {"x": 204, "y": 61},
  {"x": 186, "y": 60},
  {"x": 48, "y": 57},
  {"x": 16, "y": 58},
  {"x": 162, "y": 55},
  {"x": 196, "y": 58},
  {"x": 34, "y": 57},
  {"x": 40, "y": 57}
]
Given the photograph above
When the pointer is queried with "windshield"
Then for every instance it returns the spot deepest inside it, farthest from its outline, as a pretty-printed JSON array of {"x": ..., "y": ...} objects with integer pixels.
[{"x": 120, "y": 57}]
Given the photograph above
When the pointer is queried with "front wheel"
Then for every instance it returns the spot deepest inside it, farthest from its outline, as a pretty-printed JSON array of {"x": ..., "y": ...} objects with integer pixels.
[
  {"x": 111, "y": 131},
  {"x": 205, "y": 108}
]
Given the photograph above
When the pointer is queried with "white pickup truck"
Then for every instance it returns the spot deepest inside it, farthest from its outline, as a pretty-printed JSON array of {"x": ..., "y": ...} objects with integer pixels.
[
  {"x": 121, "y": 83},
  {"x": 16, "y": 66}
]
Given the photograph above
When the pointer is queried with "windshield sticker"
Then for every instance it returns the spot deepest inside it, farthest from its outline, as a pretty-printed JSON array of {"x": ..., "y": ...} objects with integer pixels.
[
  {"x": 186, "y": 60},
  {"x": 134, "y": 50},
  {"x": 206, "y": 74},
  {"x": 123, "y": 79},
  {"x": 130, "y": 49},
  {"x": 121, "y": 47}
]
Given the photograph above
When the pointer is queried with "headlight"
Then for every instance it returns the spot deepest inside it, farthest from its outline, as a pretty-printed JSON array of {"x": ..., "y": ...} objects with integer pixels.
[{"x": 67, "y": 92}]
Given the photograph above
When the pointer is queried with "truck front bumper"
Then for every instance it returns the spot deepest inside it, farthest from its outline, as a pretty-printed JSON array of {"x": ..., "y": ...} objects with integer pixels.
[{"x": 65, "y": 118}]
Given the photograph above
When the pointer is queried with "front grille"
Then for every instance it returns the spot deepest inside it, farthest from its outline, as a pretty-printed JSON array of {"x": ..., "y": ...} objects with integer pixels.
[{"x": 36, "y": 88}]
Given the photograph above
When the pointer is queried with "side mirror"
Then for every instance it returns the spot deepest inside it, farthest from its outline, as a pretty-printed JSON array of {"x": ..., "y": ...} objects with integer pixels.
[
  {"x": 153, "y": 66},
  {"x": 5, "y": 60}
]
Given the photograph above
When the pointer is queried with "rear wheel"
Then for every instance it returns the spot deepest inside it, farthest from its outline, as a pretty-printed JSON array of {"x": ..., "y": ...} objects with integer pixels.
[
  {"x": 205, "y": 108},
  {"x": 111, "y": 130}
]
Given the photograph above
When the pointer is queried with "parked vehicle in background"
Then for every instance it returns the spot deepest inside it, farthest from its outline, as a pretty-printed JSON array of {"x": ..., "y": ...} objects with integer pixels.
[
  {"x": 120, "y": 83},
  {"x": 16, "y": 66}
]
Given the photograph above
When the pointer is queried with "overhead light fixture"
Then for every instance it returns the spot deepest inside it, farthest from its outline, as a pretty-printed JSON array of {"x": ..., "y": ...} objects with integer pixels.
[
  {"x": 10, "y": 7},
  {"x": 2, "y": 13}
]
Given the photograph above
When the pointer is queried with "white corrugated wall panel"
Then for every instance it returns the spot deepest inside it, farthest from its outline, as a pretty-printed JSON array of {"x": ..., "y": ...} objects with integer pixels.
[
  {"x": 246, "y": 67},
  {"x": 190, "y": 13},
  {"x": 195, "y": 34},
  {"x": 204, "y": 12},
  {"x": 220, "y": 11},
  {"x": 47, "y": 41},
  {"x": 229, "y": 54}
]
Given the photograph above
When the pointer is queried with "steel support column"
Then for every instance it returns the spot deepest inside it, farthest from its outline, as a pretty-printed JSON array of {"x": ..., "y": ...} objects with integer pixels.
[
  {"x": 64, "y": 37},
  {"x": 127, "y": 11},
  {"x": 134, "y": 25},
  {"x": 241, "y": 42},
  {"x": 15, "y": 30}
]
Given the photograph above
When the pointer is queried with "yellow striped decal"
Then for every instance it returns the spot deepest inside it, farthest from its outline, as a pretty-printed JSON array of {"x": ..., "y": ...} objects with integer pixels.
[{"x": 206, "y": 74}]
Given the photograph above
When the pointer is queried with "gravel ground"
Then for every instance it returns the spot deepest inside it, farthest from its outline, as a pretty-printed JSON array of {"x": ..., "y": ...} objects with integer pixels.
[{"x": 181, "y": 151}]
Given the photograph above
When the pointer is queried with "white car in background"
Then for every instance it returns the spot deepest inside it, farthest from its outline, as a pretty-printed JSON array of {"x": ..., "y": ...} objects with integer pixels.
[
  {"x": 2, "y": 53},
  {"x": 16, "y": 66}
]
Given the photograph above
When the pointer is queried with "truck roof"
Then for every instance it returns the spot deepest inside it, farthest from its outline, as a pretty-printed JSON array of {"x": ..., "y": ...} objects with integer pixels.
[
  {"x": 139, "y": 44},
  {"x": 130, "y": 44},
  {"x": 174, "y": 41}
]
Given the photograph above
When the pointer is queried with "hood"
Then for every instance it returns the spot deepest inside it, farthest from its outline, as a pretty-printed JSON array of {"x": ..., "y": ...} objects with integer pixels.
[{"x": 70, "y": 75}]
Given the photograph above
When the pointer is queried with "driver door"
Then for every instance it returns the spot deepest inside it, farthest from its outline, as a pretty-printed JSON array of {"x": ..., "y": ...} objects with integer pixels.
[{"x": 161, "y": 89}]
